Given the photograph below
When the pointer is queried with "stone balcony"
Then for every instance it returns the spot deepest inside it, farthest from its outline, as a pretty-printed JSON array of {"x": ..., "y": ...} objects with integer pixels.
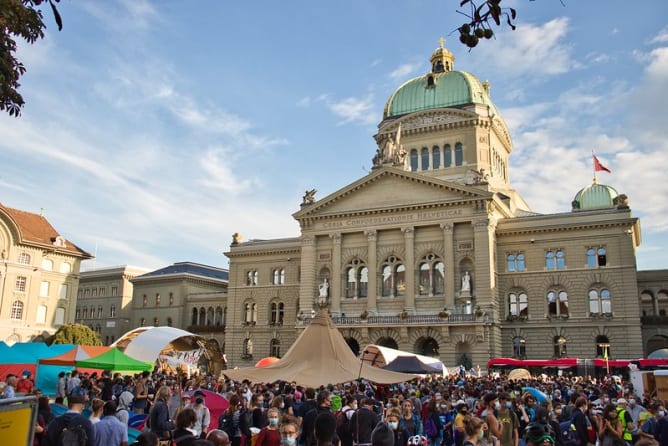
[{"x": 388, "y": 320}]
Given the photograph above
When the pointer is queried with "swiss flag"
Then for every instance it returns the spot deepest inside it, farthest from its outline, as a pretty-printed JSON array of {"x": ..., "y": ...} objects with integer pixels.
[{"x": 598, "y": 166}]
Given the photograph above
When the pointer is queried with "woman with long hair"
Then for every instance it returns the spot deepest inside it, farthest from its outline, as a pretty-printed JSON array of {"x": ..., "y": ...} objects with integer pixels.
[
  {"x": 610, "y": 430},
  {"x": 473, "y": 430},
  {"x": 270, "y": 435}
]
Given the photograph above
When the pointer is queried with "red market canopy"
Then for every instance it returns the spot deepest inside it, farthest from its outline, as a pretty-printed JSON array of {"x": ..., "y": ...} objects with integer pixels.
[{"x": 512, "y": 362}]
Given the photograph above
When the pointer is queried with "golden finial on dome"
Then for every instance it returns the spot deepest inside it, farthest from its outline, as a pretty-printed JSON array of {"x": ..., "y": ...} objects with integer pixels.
[
  {"x": 441, "y": 42},
  {"x": 442, "y": 60}
]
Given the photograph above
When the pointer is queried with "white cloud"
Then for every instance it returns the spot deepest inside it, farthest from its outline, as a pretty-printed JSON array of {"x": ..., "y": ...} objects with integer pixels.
[
  {"x": 217, "y": 164},
  {"x": 531, "y": 50},
  {"x": 404, "y": 70},
  {"x": 352, "y": 109},
  {"x": 661, "y": 37}
]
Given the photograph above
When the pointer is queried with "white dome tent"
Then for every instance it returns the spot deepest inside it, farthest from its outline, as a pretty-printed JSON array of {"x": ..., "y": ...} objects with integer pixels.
[
  {"x": 379, "y": 356},
  {"x": 171, "y": 346}
]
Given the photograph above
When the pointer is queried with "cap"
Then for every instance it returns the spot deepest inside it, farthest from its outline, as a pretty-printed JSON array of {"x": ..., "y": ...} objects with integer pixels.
[
  {"x": 622, "y": 401},
  {"x": 26, "y": 373}
]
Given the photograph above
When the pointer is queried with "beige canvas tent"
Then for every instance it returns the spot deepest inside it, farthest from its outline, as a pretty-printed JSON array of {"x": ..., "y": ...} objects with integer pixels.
[{"x": 319, "y": 356}]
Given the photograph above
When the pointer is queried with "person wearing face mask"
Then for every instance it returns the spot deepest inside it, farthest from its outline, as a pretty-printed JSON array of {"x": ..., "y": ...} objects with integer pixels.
[
  {"x": 289, "y": 432},
  {"x": 649, "y": 427},
  {"x": 400, "y": 436},
  {"x": 446, "y": 417},
  {"x": 492, "y": 404},
  {"x": 343, "y": 416},
  {"x": 202, "y": 413},
  {"x": 270, "y": 435},
  {"x": 508, "y": 420},
  {"x": 473, "y": 429},
  {"x": 460, "y": 432}
]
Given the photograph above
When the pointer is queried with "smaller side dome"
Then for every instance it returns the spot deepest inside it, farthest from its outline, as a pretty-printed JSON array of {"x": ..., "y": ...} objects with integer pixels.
[{"x": 596, "y": 196}]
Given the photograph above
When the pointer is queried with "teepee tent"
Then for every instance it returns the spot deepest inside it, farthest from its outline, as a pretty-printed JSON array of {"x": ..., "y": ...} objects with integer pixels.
[{"x": 320, "y": 355}]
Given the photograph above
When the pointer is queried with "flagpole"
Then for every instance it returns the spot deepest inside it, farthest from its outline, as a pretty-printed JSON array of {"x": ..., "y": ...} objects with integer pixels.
[{"x": 593, "y": 165}]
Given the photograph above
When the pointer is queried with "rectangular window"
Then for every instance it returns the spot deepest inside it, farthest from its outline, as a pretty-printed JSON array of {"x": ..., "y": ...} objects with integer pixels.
[
  {"x": 63, "y": 292},
  {"x": 102, "y": 292},
  {"x": 114, "y": 291},
  {"x": 41, "y": 314},
  {"x": 21, "y": 284},
  {"x": 94, "y": 292},
  {"x": 44, "y": 289}
]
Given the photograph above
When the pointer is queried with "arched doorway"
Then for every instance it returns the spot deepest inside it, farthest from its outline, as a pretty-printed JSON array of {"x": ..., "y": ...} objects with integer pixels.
[
  {"x": 354, "y": 345},
  {"x": 463, "y": 355},
  {"x": 388, "y": 342},
  {"x": 656, "y": 342},
  {"x": 427, "y": 346}
]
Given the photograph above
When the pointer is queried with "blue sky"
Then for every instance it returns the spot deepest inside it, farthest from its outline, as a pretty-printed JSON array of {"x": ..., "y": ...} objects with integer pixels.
[{"x": 155, "y": 130}]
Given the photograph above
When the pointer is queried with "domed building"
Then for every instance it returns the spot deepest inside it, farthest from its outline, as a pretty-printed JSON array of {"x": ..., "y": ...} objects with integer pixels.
[{"x": 435, "y": 253}]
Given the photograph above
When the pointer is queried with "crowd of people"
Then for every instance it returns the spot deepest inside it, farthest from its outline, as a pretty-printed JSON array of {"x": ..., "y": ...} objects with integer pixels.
[{"x": 459, "y": 410}]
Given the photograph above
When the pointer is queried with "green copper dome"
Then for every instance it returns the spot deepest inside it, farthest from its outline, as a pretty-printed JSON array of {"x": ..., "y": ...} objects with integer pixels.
[
  {"x": 438, "y": 90},
  {"x": 595, "y": 196}
]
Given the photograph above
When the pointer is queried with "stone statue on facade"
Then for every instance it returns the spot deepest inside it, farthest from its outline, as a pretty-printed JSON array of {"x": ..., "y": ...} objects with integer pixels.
[
  {"x": 466, "y": 283},
  {"x": 309, "y": 197},
  {"x": 236, "y": 238},
  {"x": 390, "y": 151},
  {"x": 323, "y": 293}
]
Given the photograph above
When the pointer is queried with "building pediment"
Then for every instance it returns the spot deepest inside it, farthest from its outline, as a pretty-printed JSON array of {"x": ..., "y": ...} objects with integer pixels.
[{"x": 388, "y": 189}]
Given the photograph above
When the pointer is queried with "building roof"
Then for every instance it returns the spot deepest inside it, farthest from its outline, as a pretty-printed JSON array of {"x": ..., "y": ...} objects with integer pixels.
[
  {"x": 189, "y": 268},
  {"x": 35, "y": 229},
  {"x": 451, "y": 89}
]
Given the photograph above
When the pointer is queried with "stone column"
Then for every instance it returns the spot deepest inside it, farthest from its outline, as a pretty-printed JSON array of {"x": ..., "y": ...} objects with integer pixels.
[
  {"x": 335, "y": 280},
  {"x": 483, "y": 277},
  {"x": 409, "y": 246},
  {"x": 307, "y": 286},
  {"x": 449, "y": 260},
  {"x": 372, "y": 264}
]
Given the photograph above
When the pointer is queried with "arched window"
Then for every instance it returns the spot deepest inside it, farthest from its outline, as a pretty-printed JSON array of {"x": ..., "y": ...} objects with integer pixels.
[
  {"x": 112, "y": 311},
  {"x": 202, "y": 316},
  {"x": 156, "y": 322},
  {"x": 209, "y": 316},
  {"x": 276, "y": 313},
  {"x": 393, "y": 277},
  {"x": 557, "y": 303},
  {"x": 600, "y": 303},
  {"x": 424, "y": 155},
  {"x": 414, "y": 160},
  {"x": 17, "y": 310},
  {"x": 459, "y": 154},
  {"x": 436, "y": 158},
  {"x": 85, "y": 312},
  {"x": 560, "y": 350},
  {"x": 142, "y": 322},
  {"x": 554, "y": 259},
  {"x": 596, "y": 257},
  {"x": 47, "y": 264},
  {"x": 447, "y": 156},
  {"x": 169, "y": 322},
  {"x": 99, "y": 311},
  {"x": 250, "y": 312},
  {"x": 518, "y": 304},
  {"x": 357, "y": 279},
  {"x": 519, "y": 347},
  {"x": 275, "y": 348},
  {"x": 193, "y": 319},
  {"x": 65, "y": 267},
  {"x": 602, "y": 347},
  {"x": 515, "y": 262},
  {"x": 171, "y": 299},
  {"x": 145, "y": 300},
  {"x": 24, "y": 258},
  {"x": 157, "y": 299},
  {"x": 432, "y": 276},
  {"x": 251, "y": 278}
]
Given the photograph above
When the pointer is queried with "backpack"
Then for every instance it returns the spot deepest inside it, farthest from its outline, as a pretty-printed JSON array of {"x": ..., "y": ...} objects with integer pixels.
[
  {"x": 569, "y": 436},
  {"x": 73, "y": 436},
  {"x": 430, "y": 429}
]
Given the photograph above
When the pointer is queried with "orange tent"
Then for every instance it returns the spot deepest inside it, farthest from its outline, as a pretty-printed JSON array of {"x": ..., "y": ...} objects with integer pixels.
[{"x": 77, "y": 353}]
